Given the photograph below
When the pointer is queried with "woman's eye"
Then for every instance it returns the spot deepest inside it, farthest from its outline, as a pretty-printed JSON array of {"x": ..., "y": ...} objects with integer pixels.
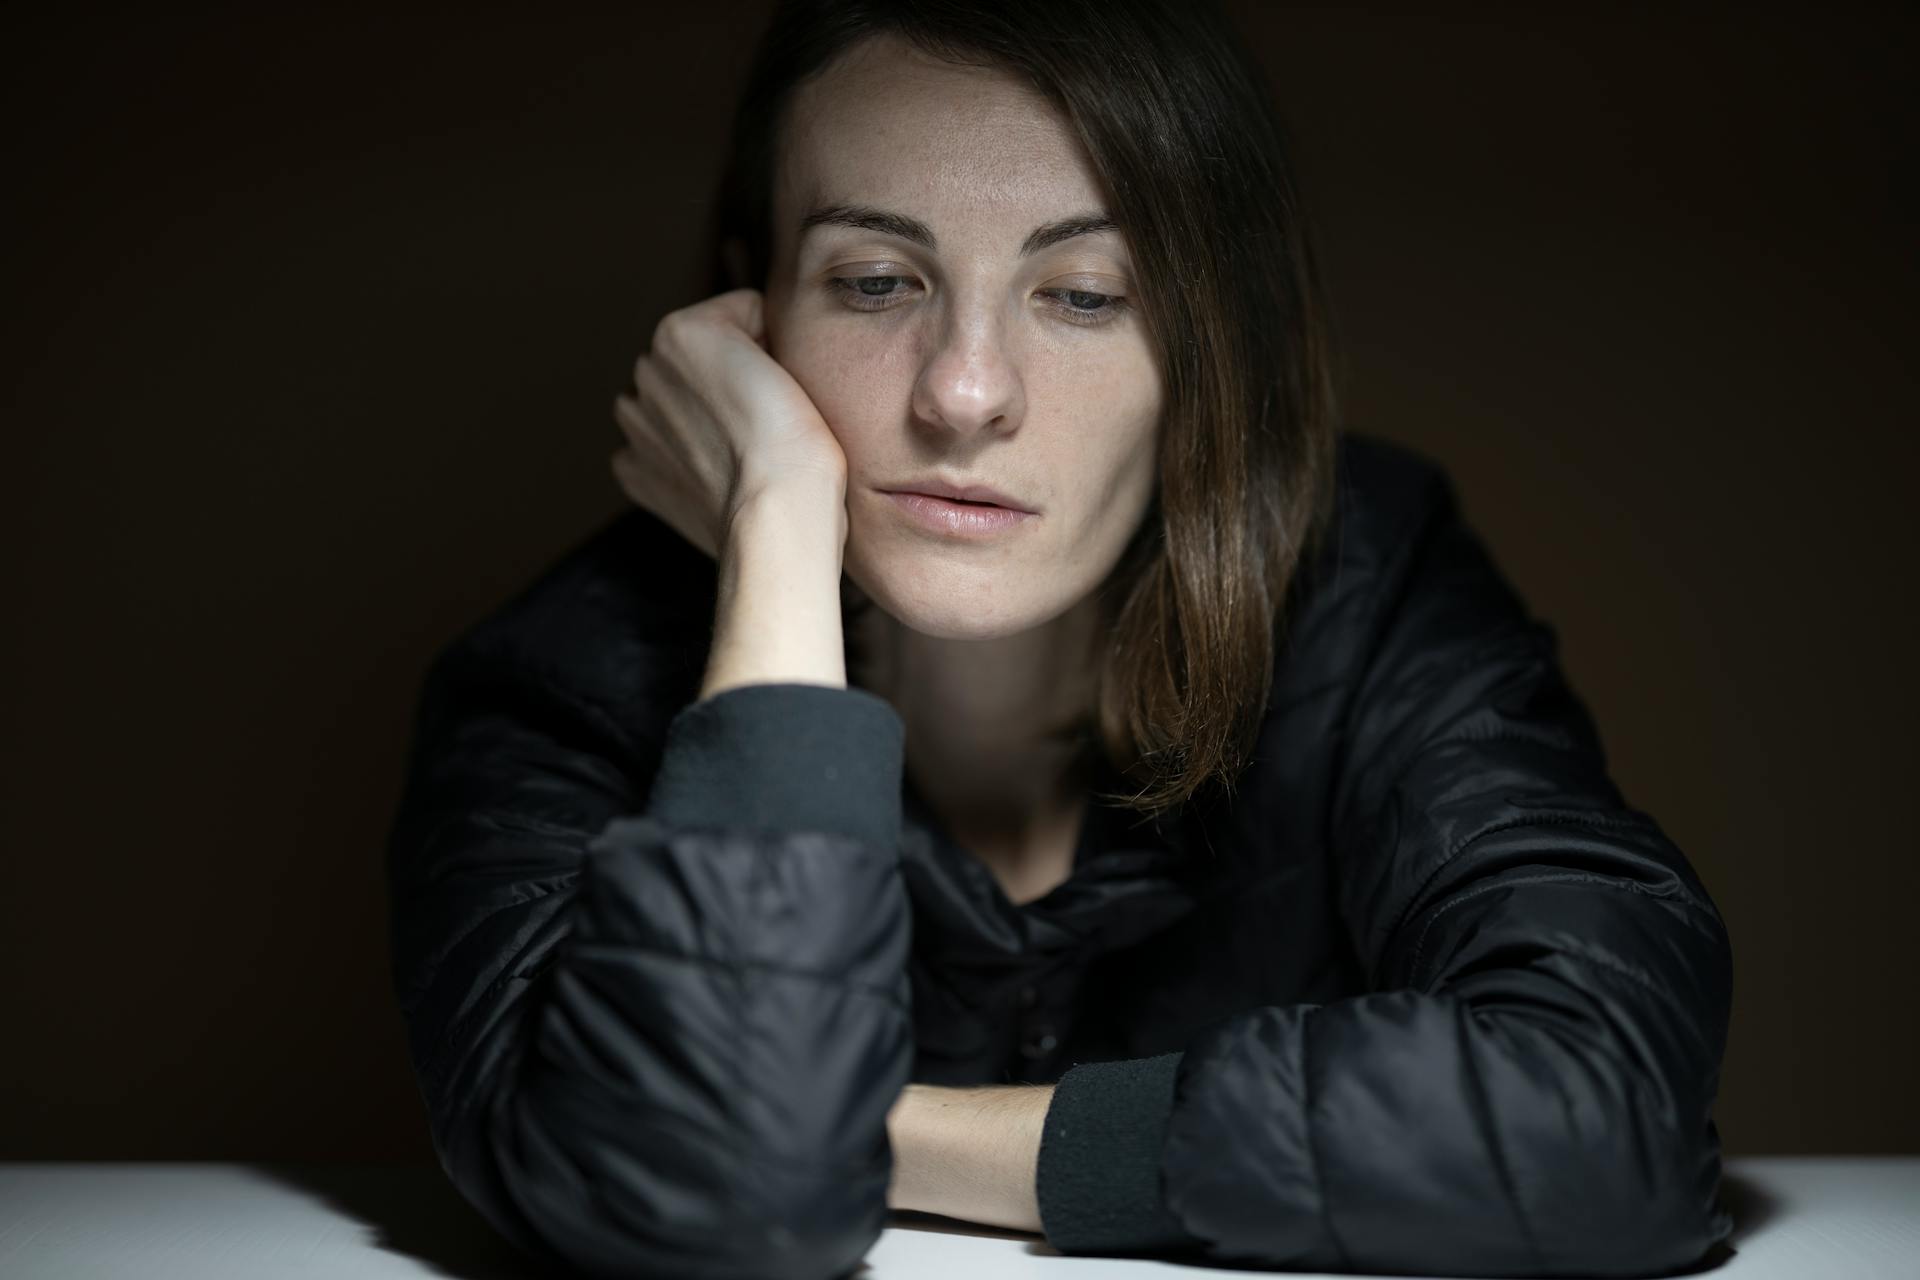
[
  {"x": 868, "y": 293},
  {"x": 1077, "y": 306},
  {"x": 1083, "y": 306}
]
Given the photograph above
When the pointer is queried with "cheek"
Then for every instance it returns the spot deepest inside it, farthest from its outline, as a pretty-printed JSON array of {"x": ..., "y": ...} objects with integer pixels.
[
  {"x": 1135, "y": 470},
  {"x": 1106, "y": 417},
  {"x": 851, "y": 377}
]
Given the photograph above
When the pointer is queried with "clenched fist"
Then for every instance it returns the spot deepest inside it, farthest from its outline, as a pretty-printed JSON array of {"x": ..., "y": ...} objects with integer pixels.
[{"x": 714, "y": 420}]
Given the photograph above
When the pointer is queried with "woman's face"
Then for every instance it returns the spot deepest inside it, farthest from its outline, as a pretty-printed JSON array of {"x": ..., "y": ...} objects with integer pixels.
[{"x": 964, "y": 336}]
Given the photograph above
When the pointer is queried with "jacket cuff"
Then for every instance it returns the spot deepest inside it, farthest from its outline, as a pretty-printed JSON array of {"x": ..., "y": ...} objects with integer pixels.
[
  {"x": 784, "y": 757},
  {"x": 1098, "y": 1181}
]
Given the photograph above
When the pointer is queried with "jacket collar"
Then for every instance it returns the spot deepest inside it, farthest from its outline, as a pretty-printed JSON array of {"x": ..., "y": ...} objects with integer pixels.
[{"x": 1131, "y": 878}]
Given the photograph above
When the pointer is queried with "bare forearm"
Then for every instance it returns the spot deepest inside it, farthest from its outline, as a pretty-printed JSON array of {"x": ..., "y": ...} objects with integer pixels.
[
  {"x": 972, "y": 1154},
  {"x": 777, "y": 617}
]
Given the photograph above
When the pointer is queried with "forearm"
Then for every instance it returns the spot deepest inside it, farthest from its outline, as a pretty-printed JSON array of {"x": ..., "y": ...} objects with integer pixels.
[
  {"x": 970, "y": 1153},
  {"x": 777, "y": 616}
]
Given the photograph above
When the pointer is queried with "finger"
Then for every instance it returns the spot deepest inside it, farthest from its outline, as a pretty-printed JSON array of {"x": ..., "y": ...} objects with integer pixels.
[
  {"x": 676, "y": 415},
  {"x": 745, "y": 308},
  {"x": 645, "y": 446},
  {"x": 645, "y": 486},
  {"x": 648, "y": 468},
  {"x": 644, "y": 411},
  {"x": 632, "y": 418},
  {"x": 626, "y": 473}
]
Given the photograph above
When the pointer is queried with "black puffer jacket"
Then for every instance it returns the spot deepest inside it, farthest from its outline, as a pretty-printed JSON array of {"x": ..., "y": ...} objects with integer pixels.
[{"x": 1424, "y": 994}]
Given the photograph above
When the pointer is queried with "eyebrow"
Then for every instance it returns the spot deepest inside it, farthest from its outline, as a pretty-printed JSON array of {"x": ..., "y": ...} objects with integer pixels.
[{"x": 865, "y": 218}]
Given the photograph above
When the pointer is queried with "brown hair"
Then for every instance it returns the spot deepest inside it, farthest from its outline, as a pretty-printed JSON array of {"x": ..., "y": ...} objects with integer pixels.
[{"x": 1184, "y": 136}]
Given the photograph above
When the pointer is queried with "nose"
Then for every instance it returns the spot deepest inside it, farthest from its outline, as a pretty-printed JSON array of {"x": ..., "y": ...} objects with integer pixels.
[{"x": 970, "y": 381}]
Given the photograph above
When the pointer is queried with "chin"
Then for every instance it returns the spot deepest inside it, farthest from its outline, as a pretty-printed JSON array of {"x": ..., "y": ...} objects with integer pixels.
[{"x": 951, "y": 604}]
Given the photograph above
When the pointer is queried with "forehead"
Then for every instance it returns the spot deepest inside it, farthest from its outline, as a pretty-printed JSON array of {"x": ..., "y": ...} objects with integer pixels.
[{"x": 888, "y": 124}]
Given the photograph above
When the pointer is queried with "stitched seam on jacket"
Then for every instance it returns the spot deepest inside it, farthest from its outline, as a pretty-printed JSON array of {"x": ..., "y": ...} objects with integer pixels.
[
  {"x": 1464, "y": 1021},
  {"x": 1497, "y": 637},
  {"x": 482, "y": 1003},
  {"x": 1683, "y": 1016},
  {"x": 524, "y": 824},
  {"x": 1544, "y": 819},
  {"x": 1525, "y": 636},
  {"x": 1313, "y": 1146},
  {"x": 1473, "y": 738},
  {"x": 886, "y": 994},
  {"x": 457, "y": 1037},
  {"x": 1564, "y": 877},
  {"x": 427, "y": 969}
]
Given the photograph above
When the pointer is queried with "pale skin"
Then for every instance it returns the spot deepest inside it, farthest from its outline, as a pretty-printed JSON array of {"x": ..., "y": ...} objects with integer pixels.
[{"x": 767, "y": 426}]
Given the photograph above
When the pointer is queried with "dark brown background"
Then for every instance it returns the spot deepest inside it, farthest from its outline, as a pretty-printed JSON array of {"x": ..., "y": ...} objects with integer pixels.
[{"x": 312, "y": 328}]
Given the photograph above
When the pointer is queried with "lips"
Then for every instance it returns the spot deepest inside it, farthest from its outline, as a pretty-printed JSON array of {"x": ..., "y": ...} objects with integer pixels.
[
  {"x": 953, "y": 518},
  {"x": 976, "y": 494}
]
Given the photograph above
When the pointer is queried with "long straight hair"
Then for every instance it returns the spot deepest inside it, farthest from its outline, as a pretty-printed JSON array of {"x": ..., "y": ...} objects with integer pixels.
[{"x": 1184, "y": 136}]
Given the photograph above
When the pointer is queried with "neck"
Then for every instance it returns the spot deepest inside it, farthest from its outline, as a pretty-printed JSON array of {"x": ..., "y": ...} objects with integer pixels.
[{"x": 983, "y": 720}]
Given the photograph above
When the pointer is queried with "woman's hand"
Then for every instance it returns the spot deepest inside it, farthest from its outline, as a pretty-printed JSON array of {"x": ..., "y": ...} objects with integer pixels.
[{"x": 714, "y": 421}]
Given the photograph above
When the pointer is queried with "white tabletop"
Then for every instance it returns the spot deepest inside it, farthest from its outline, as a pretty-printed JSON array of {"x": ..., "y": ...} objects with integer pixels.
[{"x": 1795, "y": 1217}]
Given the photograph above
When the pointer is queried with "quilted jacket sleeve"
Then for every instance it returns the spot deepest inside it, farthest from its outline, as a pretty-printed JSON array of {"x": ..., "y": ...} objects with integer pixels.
[
  {"x": 1527, "y": 1086},
  {"x": 659, "y": 1039}
]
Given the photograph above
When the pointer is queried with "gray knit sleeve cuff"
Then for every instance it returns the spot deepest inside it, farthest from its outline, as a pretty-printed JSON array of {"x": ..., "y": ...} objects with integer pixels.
[
  {"x": 1098, "y": 1182},
  {"x": 784, "y": 757}
]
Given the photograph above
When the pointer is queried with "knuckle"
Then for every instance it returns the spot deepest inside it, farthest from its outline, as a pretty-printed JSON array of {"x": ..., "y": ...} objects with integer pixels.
[{"x": 669, "y": 330}]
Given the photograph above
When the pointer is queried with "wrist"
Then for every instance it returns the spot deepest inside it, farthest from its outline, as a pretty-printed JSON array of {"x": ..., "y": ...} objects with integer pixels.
[
  {"x": 900, "y": 1118},
  {"x": 812, "y": 497},
  {"x": 969, "y": 1152},
  {"x": 777, "y": 615}
]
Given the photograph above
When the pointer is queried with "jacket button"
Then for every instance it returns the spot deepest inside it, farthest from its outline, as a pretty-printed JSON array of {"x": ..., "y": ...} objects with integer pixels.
[
  {"x": 1028, "y": 997},
  {"x": 1040, "y": 1045}
]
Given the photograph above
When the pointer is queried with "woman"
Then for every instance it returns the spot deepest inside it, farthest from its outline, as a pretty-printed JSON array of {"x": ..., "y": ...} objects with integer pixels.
[{"x": 1018, "y": 760}]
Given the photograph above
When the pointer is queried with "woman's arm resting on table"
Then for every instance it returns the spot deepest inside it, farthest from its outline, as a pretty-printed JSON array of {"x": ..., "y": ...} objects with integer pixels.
[
  {"x": 614, "y": 1009},
  {"x": 1525, "y": 1087},
  {"x": 969, "y": 1153}
]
